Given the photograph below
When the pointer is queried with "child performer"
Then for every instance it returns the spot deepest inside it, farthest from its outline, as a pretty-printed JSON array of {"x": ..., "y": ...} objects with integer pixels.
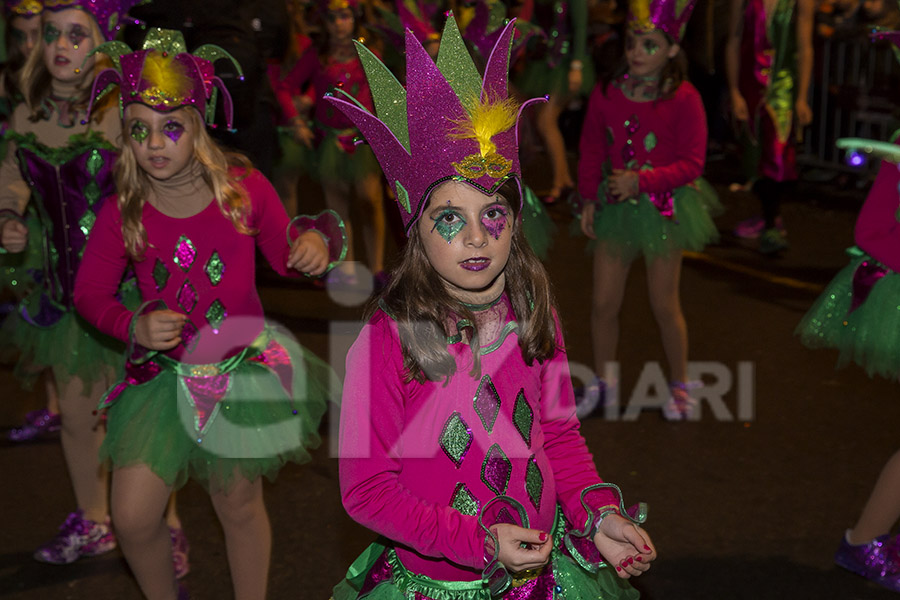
[
  {"x": 458, "y": 437},
  {"x": 643, "y": 146},
  {"x": 211, "y": 392},
  {"x": 857, "y": 314},
  {"x": 768, "y": 62},
  {"x": 344, "y": 168},
  {"x": 64, "y": 164}
]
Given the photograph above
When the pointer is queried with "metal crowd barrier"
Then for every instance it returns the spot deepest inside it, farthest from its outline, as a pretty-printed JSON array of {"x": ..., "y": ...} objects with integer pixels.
[{"x": 855, "y": 92}]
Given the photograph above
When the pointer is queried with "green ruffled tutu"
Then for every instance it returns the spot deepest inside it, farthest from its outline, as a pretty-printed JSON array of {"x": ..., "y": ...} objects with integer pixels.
[
  {"x": 334, "y": 163},
  {"x": 295, "y": 157},
  {"x": 254, "y": 430},
  {"x": 537, "y": 225},
  {"x": 378, "y": 574},
  {"x": 16, "y": 270},
  {"x": 870, "y": 335},
  {"x": 539, "y": 78},
  {"x": 629, "y": 229}
]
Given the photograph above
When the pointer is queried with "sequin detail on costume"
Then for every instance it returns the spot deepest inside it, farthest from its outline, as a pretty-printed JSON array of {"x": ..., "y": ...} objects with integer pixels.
[
  {"x": 456, "y": 438},
  {"x": 523, "y": 417},
  {"x": 187, "y": 297},
  {"x": 93, "y": 164},
  {"x": 160, "y": 275},
  {"x": 189, "y": 336},
  {"x": 650, "y": 142},
  {"x": 534, "y": 482},
  {"x": 487, "y": 403},
  {"x": 504, "y": 516},
  {"x": 215, "y": 314},
  {"x": 463, "y": 501},
  {"x": 214, "y": 268},
  {"x": 185, "y": 253},
  {"x": 86, "y": 222},
  {"x": 496, "y": 470},
  {"x": 205, "y": 393},
  {"x": 632, "y": 125}
]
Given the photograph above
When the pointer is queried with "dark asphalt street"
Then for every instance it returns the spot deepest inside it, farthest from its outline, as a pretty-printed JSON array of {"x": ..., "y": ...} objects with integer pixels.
[{"x": 748, "y": 502}]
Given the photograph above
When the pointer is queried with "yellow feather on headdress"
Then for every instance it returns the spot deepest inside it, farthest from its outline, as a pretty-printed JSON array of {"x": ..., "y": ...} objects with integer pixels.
[
  {"x": 640, "y": 15},
  {"x": 486, "y": 119},
  {"x": 168, "y": 81}
]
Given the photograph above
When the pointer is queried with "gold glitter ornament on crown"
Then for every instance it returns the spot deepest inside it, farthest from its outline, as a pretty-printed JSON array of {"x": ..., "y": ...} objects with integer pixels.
[{"x": 448, "y": 123}]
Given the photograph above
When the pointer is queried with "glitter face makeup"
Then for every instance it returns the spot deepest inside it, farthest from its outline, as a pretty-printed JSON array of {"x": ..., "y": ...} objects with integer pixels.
[
  {"x": 51, "y": 33},
  {"x": 173, "y": 129},
  {"x": 448, "y": 224},
  {"x": 466, "y": 235},
  {"x": 68, "y": 39},
  {"x": 648, "y": 53},
  {"x": 139, "y": 132}
]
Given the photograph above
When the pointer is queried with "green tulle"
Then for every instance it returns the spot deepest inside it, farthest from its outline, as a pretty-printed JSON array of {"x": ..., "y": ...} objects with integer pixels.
[
  {"x": 870, "y": 335},
  {"x": 332, "y": 163},
  {"x": 16, "y": 269},
  {"x": 255, "y": 433},
  {"x": 629, "y": 229},
  {"x": 537, "y": 225},
  {"x": 295, "y": 157},
  {"x": 538, "y": 78}
]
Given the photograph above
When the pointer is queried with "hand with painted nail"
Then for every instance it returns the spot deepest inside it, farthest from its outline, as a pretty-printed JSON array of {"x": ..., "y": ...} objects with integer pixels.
[
  {"x": 309, "y": 254},
  {"x": 159, "y": 329},
  {"x": 624, "y": 546},
  {"x": 521, "y": 548}
]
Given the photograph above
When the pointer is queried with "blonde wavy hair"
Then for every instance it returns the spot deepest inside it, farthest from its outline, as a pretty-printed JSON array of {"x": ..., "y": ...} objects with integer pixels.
[
  {"x": 35, "y": 79},
  {"x": 133, "y": 185}
]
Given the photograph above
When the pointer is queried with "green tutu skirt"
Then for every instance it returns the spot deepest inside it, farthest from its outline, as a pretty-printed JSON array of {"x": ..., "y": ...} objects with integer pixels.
[
  {"x": 215, "y": 425},
  {"x": 537, "y": 225},
  {"x": 336, "y": 159},
  {"x": 869, "y": 335},
  {"x": 629, "y": 229},
  {"x": 540, "y": 78},
  {"x": 378, "y": 574},
  {"x": 295, "y": 157},
  {"x": 17, "y": 270}
]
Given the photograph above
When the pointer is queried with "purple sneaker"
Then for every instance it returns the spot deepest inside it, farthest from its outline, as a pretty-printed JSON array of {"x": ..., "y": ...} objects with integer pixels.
[
  {"x": 877, "y": 561},
  {"x": 77, "y": 537},
  {"x": 180, "y": 549},
  {"x": 37, "y": 423}
]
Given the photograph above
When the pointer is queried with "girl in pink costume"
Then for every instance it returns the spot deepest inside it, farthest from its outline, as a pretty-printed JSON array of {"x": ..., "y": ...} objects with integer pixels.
[
  {"x": 210, "y": 392},
  {"x": 643, "y": 148},
  {"x": 458, "y": 440},
  {"x": 60, "y": 164},
  {"x": 343, "y": 167},
  {"x": 857, "y": 314}
]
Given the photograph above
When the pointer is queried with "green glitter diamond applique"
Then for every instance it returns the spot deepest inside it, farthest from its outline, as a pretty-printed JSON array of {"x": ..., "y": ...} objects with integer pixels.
[
  {"x": 650, "y": 141},
  {"x": 185, "y": 253},
  {"x": 523, "y": 417},
  {"x": 92, "y": 193},
  {"x": 456, "y": 439},
  {"x": 496, "y": 470},
  {"x": 534, "y": 482},
  {"x": 214, "y": 268},
  {"x": 215, "y": 314},
  {"x": 487, "y": 403},
  {"x": 463, "y": 500},
  {"x": 160, "y": 275},
  {"x": 94, "y": 163},
  {"x": 86, "y": 222}
]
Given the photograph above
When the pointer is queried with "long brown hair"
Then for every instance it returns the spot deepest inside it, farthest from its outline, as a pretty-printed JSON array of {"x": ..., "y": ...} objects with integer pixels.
[
  {"x": 417, "y": 299},
  {"x": 673, "y": 74},
  {"x": 35, "y": 79},
  {"x": 133, "y": 185}
]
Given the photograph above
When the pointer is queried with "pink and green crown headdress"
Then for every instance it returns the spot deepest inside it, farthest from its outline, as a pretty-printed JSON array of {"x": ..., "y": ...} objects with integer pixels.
[
  {"x": 22, "y": 8},
  {"x": 448, "y": 123},
  {"x": 164, "y": 76},
  {"x": 107, "y": 13},
  {"x": 668, "y": 16}
]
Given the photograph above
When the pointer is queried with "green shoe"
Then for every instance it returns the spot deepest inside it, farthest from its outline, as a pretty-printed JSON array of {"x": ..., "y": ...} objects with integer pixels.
[{"x": 772, "y": 241}]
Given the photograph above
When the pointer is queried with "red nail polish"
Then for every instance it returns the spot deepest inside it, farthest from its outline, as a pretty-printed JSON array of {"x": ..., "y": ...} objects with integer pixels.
[
  {"x": 646, "y": 547},
  {"x": 630, "y": 560},
  {"x": 639, "y": 558},
  {"x": 543, "y": 536},
  {"x": 618, "y": 568}
]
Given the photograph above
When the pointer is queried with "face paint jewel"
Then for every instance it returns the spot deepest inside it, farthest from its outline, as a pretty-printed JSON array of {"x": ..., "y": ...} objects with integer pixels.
[
  {"x": 185, "y": 252},
  {"x": 215, "y": 268}
]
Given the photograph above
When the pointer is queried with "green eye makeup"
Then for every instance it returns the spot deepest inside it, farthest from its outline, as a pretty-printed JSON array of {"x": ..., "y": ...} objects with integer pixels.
[
  {"x": 139, "y": 132},
  {"x": 448, "y": 224},
  {"x": 651, "y": 47},
  {"x": 51, "y": 34}
]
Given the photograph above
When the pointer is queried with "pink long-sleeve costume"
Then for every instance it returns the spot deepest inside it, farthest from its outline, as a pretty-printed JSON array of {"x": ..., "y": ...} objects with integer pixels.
[{"x": 420, "y": 460}]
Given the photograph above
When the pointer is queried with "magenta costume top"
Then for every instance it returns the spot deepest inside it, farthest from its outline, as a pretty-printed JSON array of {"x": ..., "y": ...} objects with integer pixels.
[
  {"x": 664, "y": 140},
  {"x": 419, "y": 461},
  {"x": 348, "y": 76},
  {"x": 877, "y": 230},
  {"x": 199, "y": 266},
  {"x": 295, "y": 82}
]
